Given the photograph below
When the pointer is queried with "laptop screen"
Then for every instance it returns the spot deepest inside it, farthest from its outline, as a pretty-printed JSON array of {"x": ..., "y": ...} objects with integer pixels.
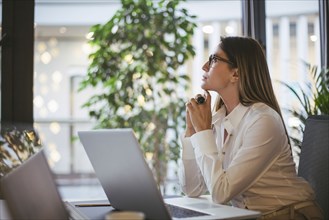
[
  {"x": 120, "y": 166},
  {"x": 31, "y": 193}
]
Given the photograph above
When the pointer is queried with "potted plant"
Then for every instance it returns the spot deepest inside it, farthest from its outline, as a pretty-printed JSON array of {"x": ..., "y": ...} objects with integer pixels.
[
  {"x": 136, "y": 60},
  {"x": 313, "y": 99}
]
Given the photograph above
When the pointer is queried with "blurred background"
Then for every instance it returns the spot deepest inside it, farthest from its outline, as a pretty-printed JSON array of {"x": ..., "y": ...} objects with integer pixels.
[{"x": 62, "y": 30}]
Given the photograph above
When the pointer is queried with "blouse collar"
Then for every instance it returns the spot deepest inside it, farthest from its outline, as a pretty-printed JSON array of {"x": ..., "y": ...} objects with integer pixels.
[{"x": 231, "y": 120}]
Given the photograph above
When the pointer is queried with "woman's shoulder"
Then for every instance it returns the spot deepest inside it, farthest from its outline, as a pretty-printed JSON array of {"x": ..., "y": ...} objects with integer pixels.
[
  {"x": 261, "y": 114},
  {"x": 262, "y": 110}
]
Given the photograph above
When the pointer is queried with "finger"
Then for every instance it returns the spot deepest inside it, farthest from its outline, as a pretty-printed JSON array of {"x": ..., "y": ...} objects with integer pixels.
[
  {"x": 188, "y": 117},
  {"x": 188, "y": 106},
  {"x": 193, "y": 102}
]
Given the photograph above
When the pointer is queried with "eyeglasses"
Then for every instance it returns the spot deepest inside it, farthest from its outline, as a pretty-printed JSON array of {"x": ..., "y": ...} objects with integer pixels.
[{"x": 214, "y": 58}]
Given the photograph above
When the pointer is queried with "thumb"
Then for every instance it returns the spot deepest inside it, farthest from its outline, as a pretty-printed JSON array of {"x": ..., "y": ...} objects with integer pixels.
[{"x": 208, "y": 97}]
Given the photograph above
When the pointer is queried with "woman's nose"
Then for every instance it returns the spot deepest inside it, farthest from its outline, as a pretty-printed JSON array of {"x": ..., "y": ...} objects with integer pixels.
[{"x": 205, "y": 67}]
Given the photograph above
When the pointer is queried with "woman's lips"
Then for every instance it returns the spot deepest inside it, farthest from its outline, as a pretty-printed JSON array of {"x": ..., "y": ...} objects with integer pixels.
[{"x": 204, "y": 78}]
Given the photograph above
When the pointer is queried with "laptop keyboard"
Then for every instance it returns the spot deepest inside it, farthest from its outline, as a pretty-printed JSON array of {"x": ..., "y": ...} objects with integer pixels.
[{"x": 179, "y": 212}]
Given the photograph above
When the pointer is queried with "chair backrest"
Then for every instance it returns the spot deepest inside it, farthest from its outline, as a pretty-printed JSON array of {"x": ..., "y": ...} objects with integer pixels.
[{"x": 313, "y": 163}]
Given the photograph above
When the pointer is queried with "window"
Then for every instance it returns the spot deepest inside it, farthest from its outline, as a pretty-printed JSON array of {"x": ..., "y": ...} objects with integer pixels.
[
  {"x": 292, "y": 38},
  {"x": 215, "y": 19},
  {"x": 60, "y": 60}
]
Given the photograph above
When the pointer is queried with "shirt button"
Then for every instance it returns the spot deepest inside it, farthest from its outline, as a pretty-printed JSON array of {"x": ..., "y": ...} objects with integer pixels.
[{"x": 223, "y": 153}]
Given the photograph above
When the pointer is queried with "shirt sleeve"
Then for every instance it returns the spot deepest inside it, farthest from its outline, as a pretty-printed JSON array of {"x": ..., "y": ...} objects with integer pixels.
[
  {"x": 258, "y": 151},
  {"x": 190, "y": 177},
  {"x": 208, "y": 158}
]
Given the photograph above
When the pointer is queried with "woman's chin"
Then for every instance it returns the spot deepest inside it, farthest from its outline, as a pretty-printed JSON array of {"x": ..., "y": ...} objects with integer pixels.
[{"x": 204, "y": 86}]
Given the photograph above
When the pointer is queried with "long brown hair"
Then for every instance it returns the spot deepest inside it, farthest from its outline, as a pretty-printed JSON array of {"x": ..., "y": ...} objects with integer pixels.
[{"x": 255, "y": 83}]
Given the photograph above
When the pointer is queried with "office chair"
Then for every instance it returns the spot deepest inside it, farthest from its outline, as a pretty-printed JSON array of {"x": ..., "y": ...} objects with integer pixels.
[{"x": 313, "y": 163}]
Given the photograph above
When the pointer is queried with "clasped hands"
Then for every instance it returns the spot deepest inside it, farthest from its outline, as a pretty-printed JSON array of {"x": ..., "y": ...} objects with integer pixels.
[{"x": 198, "y": 116}]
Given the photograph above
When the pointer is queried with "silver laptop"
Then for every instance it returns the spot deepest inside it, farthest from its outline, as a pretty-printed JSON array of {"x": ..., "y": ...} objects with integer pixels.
[
  {"x": 129, "y": 184},
  {"x": 30, "y": 192}
]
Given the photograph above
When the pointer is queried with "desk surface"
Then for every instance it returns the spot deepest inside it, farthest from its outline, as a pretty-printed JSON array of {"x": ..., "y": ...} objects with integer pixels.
[
  {"x": 93, "y": 212},
  {"x": 100, "y": 212}
]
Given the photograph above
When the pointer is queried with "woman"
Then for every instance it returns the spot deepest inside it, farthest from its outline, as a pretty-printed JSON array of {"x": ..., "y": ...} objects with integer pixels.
[{"x": 241, "y": 153}]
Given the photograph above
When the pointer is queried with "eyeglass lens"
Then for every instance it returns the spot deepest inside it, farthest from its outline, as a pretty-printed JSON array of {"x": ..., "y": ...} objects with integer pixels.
[{"x": 213, "y": 57}]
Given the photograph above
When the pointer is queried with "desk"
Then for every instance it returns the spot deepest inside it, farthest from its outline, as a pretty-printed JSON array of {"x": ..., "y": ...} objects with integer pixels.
[
  {"x": 225, "y": 212},
  {"x": 92, "y": 212}
]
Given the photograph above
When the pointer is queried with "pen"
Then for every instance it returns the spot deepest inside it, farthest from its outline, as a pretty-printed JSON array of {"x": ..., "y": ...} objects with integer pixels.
[{"x": 92, "y": 205}]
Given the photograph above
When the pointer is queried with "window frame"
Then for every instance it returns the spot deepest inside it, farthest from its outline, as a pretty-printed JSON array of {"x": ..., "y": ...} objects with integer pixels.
[{"x": 17, "y": 52}]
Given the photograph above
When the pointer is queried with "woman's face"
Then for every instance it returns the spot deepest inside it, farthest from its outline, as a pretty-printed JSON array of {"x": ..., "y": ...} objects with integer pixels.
[{"x": 218, "y": 75}]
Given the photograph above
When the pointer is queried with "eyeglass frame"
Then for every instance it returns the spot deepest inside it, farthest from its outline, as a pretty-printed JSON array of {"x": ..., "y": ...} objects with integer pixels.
[{"x": 214, "y": 57}]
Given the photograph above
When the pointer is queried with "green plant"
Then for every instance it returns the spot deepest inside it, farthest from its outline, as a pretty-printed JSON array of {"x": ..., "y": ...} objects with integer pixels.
[
  {"x": 313, "y": 99},
  {"x": 16, "y": 146},
  {"x": 136, "y": 60}
]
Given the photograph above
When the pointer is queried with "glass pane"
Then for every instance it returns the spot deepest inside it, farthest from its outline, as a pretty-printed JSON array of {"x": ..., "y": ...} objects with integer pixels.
[
  {"x": 292, "y": 35},
  {"x": 215, "y": 19},
  {"x": 60, "y": 61}
]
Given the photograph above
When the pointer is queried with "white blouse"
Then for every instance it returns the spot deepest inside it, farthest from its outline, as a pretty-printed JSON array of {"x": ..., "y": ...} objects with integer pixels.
[{"x": 253, "y": 169}]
